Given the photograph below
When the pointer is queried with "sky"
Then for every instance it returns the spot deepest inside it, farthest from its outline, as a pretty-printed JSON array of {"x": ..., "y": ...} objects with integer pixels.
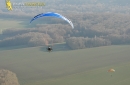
[{"x": 52, "y": 5}]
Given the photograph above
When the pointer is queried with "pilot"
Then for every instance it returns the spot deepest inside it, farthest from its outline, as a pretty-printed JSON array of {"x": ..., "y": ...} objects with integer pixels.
[{"x": 49, "y": 49}]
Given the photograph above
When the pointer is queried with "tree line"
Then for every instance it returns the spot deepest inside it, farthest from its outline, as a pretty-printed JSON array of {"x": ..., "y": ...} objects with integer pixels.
[{"x": 91, "y": 30}]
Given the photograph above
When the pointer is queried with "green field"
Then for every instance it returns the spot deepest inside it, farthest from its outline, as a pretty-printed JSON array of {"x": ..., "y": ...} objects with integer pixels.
[
  {"x": 17, "y": 23},
  {"x": 35, "y": 66},
  {"x": 7, "y": 24}
]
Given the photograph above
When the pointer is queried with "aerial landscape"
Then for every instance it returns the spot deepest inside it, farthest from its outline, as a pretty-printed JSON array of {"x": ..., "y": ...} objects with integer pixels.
[{"x": 64, "y": 42}]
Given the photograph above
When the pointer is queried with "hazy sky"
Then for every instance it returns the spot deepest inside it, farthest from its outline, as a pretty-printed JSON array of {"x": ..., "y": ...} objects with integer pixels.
[{"x": 107, "y": 5}]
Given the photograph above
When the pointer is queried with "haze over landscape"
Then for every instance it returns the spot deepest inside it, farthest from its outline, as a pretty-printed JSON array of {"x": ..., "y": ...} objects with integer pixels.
[{"x": 99, "y": 41}]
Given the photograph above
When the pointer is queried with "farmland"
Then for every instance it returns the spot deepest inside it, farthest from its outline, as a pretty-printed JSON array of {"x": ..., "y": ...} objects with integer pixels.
[{"x": 35, "y": 66}]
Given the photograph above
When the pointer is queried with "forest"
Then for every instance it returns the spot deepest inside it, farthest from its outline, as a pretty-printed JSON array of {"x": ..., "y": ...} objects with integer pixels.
[
  {"x": 91, "y": 30},
  {"x": 97, "y": 23}
]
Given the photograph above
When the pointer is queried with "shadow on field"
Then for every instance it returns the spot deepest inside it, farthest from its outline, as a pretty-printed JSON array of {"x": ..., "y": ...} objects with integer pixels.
[
  {"x": 12, "y": 47},
  {"x": 58, "y": 47}
]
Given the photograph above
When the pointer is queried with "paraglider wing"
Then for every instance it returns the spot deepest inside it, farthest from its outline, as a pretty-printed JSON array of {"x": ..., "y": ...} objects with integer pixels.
[
  {"x": 111, "y": 70},
  {"x": 52, "y": 14}
]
